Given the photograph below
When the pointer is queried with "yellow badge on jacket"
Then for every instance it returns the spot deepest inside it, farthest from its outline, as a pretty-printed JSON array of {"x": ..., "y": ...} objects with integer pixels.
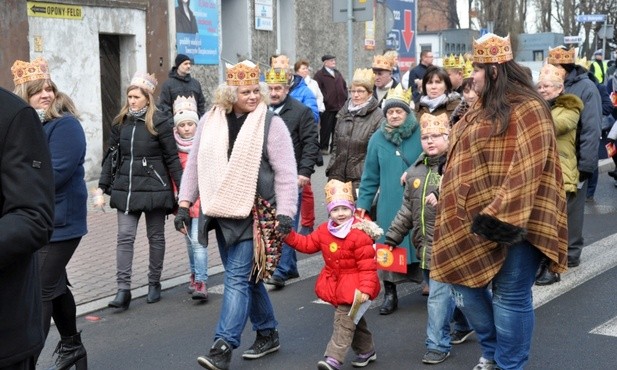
[
  {"x": 333, "y": 247},
  {"x": 416, "y": 183}
]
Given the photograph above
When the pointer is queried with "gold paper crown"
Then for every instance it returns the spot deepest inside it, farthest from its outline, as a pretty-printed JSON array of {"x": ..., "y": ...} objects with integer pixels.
[
  {"x": 454, "y": 62},
  {"x": 561, "y": 55},
  {"x": 583, "y": 62},
  {"x": 144, "y": 80},
  {"x": 282, "y": 62},
  {"x": 338, "y": 190},
  {"x": 363, "y": 76},
  {"x": 183, "y": 103},
  {"x": 382, "y": 62},
  {"x": 276, "y": 76},
  {"x": 430, "y": 124},
  {"x": 397, "y": 93},
  {"x": 491, "y": 48},
  {"x": 25, "y": 72},
  {"x": 551, "y": 73},
  {"x": 242, "y": 74},
  {"x": 468, "y": 70}
]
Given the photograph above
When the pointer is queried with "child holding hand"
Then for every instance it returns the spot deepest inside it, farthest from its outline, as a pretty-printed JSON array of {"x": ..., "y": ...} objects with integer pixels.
[{"x": 346, "y": 243}]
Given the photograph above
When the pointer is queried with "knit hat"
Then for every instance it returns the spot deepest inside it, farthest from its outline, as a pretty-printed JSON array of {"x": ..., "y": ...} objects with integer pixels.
[
  {"x": 181, "y": 58},
  {"x": 339, "y": 193},
  {"x": 185, "y": 109},
  {"x": 598, "y": 52},
  {"x": 397, "y": 97}
]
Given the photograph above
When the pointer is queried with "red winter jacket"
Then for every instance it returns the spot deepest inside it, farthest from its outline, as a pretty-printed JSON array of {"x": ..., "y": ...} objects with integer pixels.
[
  {"x": 195, "y": 209},
  {"x": 350, "y": 263}
]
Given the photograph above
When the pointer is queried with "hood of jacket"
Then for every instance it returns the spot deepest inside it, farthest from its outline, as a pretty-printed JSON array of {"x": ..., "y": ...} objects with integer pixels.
[{"x": 173, "y": 73}]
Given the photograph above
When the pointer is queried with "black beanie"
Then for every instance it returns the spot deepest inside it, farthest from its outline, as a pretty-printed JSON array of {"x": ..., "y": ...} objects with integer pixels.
[
  {"x": 391, "y": 103},
  {"x": 181, "y": 58}
]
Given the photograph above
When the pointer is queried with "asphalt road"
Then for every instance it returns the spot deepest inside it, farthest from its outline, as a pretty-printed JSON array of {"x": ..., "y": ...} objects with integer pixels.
[{"x": 576, "y": 319}]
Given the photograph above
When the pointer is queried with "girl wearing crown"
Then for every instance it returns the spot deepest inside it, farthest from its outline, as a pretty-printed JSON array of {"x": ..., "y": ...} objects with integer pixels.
[
  {"x": 67, "y": 145},
  {"x": 142, "y": 185},
  {"x": 501, "y": 206},
  {"x": 346, "y": 243}
]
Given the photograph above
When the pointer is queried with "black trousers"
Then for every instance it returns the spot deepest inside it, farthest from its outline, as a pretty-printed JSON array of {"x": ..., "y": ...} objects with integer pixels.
[{"x": 328, "y": 123}]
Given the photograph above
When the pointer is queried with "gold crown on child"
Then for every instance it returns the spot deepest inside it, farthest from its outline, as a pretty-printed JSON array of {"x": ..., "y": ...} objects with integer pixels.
[
  {"x": 491, "y": 48},
  {"x": 25, "y": 72},
  {"x": 242, "y": 74},
  {"x": 468, "y": 69},
  {"x": 276, "y": 76},
  {"x": 561, "y": 55},
  {"x": 397, "y": 93},
  {"x": 183, "y": 103},
  {"x": 145, "y": 80},
  {"x": 338, "y": 190},
  {"x": 430, "y": 124}
]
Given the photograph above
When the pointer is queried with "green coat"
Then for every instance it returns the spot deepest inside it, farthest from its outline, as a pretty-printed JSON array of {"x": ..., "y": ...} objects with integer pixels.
[{"x": 566, "y": 111}]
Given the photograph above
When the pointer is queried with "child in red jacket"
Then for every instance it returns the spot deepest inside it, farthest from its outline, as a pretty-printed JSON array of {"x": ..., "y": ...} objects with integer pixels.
[{"x": 346, "y": 243}]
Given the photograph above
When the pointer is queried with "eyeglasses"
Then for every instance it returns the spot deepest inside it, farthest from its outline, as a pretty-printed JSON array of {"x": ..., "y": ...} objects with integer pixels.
[
  {"x": 361, "y": 91},
  {"x": 431, "y": 137}
]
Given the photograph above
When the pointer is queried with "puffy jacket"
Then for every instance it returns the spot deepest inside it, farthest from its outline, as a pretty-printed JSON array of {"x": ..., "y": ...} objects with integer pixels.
[
  {"x": 350, "y": 263},
  {"x": 301, "y": 92},
  {"x": 351, "y": 136},
  {"x": 177, "y": 85},
  {"x": 415, "y": 214},
  {"x": 566, "y": 111},
  {"x": 147, "y": 161}
]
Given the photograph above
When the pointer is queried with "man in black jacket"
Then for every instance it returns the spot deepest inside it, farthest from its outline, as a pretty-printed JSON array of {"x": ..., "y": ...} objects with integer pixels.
[
  {"x": 180, "y": 83},
  {"x": 26, "y": 224},
  {"x": 301, "y": 124}
]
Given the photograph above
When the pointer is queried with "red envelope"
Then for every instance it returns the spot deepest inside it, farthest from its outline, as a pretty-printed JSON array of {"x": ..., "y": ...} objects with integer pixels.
[{"x": 395, "y": 260}]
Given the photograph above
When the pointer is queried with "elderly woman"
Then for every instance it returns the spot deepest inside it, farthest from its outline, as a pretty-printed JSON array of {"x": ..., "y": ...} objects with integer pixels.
[
  {"x": 356, "y": 122},
  {"x": 67, "y": 145},
  {"x": 227, "y": 175},
  {"x": 566, "y": 111},
  {"x": 391, "y": 150}
]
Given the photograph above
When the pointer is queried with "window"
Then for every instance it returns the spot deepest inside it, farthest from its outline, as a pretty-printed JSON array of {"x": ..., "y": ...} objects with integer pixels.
[{"x": 538, "y": 55}]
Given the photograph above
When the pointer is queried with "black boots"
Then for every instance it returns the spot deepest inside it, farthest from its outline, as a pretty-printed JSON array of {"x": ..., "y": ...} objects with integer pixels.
[
  {"x": 219, "y": 356},
  {"x": 390, "y": 299},
  {"x": 122, "y": 300},
  {"x": 70, "y": 352},
  {"x": 154, "y": 292},
  {"x": 544, "y": 276}
]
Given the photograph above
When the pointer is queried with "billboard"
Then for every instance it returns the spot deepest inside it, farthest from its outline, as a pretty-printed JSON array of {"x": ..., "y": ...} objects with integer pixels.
[
  {"x": 197, "y": 30},
  {"x": 402, "y": 36}
]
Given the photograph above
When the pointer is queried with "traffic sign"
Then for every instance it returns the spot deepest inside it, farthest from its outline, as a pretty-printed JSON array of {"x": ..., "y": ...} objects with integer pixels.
[
  {"x": 585, "y": 18},
  {"x": 362, "y": 11},
  {"x": 572, "y": 39}
]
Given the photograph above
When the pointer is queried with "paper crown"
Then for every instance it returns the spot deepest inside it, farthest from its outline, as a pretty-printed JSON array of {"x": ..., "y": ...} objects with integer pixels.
[
  {"x": 144, "y": 80},
  {"x": 383, "y": 62},
  {"x": 491, "y": 48},
  {"x": 25, "y": 72},
  {"x": 583, "y": 62},
  {"x": 468, "y": 69},
  {"x": 430, "y": 124},
  {"x": 282, "y": 62},
  {"x": 561, "y": 55},
  {"x": 183, "y": 103},
  {"x": 397, "y": 93},
  {"x": 454, "y": 62},
  {"x": 551, "y": 73},
  {"x": 338, "y": 191},
  {"x": 363, "y": 76},
  {"x": 276, "y": 76},
  {"x": 242, "y": 74}
]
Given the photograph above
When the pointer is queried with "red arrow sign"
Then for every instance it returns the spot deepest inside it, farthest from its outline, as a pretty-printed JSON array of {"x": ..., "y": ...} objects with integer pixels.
[{"x": 407, "y": 31}]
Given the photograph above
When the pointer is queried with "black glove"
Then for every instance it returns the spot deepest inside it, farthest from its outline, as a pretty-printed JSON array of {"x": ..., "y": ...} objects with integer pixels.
[
  {"x": 285, "y": 224},
  {"x": 183, "y": 219},
  {"x": 582, "y": 176},
  {"x": 390, "y": 243}
]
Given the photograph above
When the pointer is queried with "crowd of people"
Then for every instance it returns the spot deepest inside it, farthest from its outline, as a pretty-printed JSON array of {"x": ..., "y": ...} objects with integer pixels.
[{"x": 477, "y": 172}]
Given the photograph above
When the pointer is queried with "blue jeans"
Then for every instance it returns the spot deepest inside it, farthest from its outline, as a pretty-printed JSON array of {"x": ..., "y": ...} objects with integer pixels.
[
  {"x": 504, "y": 320},
  {"x": 440, "y": 307},
  {"x": 242, "y": 297},
  {"x": 198, "y": 255},
  {"x": 288, "y": 265}
]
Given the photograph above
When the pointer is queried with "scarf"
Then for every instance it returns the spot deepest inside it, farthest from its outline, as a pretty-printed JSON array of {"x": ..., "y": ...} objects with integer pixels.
[
  {"x": 227, "y": 187},
  {"x": 184, "y": 145},
  {"x": 433, "y": 104},
  {"x": 396, "y": 135},
  {"x": 340, "y": 231},
  {"x": 354, "y": 108},
  {"x": 137, "y": 113},
  {"x": 41, "y": 114}
]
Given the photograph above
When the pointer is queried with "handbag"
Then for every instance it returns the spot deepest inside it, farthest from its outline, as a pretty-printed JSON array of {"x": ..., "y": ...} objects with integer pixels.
[
  {"x": 267, "y": 241},
  {"x": 113, "y": 153}
]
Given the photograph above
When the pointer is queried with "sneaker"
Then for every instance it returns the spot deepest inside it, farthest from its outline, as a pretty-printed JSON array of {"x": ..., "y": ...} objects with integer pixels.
[
  {"x": 362, "y": 360},
  {"x": 485, "y": 364},
  {"x": 218, "y": 358},
  {"x": 329, "y": 364},
  {"x": 435, "y": 357},
  {"x": 191, "y": 287},
  {"x": 263, "y": 345},
  {"x": 201, "y": 291},
  {"x": 459, "y": 336},
  {"x": 277, "y": 281}
]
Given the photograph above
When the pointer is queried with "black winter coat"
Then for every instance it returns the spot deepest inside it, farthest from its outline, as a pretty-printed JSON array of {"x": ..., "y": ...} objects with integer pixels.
[
  {"x": 301, "y": 125},
  {"x": 26, "y": 224},
  {"x": 177, "y": 85},
  {"x": 147, "y": 161}
]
